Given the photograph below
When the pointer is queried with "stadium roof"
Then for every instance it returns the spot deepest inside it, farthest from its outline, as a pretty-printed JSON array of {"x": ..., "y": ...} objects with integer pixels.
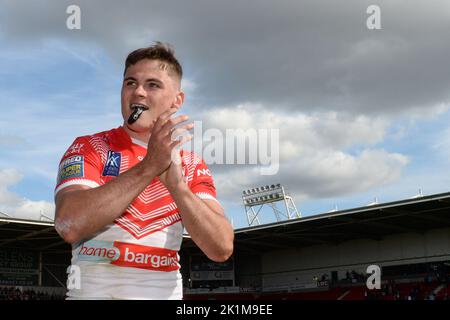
[
  {"x": 370, "y": 222},
  {"x": 30, "y": 234}
]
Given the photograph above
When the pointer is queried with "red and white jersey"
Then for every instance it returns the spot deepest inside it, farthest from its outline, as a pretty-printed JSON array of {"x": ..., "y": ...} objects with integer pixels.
[{"x": 136, "y": 257}]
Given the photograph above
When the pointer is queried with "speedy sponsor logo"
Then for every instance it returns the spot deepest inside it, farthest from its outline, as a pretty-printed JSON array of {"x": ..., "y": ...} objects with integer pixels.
[
  {"x": 71, "y": 167},
  {"x": 112, "y": 165},
  {"x": 129, "y": 255}
]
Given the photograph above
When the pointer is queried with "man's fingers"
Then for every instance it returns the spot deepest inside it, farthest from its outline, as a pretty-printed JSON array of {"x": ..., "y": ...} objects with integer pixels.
[
  {"x": 183, "y": 130},
  {"x": 181, "y": 140},
  {"x": 163, "y": 118},
  {"x": 166, "y": 114},
  {"x": 171, "y": 123},
  {"x": 185, "y": 127}
]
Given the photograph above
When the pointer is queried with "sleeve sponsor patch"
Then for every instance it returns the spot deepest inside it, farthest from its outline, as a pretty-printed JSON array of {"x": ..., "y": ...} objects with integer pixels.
[
  {"x": 72, "y": 167},
  {"x": 112, "y": 165}
]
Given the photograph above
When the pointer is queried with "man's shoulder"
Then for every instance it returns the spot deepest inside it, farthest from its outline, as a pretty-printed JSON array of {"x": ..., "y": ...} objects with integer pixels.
[
  {"x": 101, "y": 134},
  {"x": 106, "y": 136},
  {"x": 99, "y": 142}
]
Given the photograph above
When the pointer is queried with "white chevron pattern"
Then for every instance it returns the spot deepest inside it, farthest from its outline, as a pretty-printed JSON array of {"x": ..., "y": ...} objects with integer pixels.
[
  {"x": 153, "y": 192},
  {"x": 124, "y": 164},
  {"x": 191, "y": 161},
  {"x": 151, "y": 214},
  {"x": 160, "y": 224},
  {"x": 100, "y": 146}
]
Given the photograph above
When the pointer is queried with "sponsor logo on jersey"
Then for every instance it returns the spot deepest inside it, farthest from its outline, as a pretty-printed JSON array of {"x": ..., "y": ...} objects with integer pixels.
[
  {"x": 203, "y": 172},
  {"x": 75, "y": 148},
  {"x": 99, "y": 251},
  {"x": 129, "y": 255},
  {"x": 112, "y": 165},
  {"x": 71, "y": 167}
]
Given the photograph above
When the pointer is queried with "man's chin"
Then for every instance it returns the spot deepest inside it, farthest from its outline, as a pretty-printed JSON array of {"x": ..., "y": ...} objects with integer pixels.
[{"x": 139, "y": 127}]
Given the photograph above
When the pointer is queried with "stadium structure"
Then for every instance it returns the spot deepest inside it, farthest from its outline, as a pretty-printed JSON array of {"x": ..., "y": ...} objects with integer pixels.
[{"x": 320, "y": 257}]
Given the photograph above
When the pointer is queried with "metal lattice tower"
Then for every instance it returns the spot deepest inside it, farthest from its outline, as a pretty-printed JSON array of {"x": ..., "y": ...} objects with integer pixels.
[{"x": 254, "y": 200}]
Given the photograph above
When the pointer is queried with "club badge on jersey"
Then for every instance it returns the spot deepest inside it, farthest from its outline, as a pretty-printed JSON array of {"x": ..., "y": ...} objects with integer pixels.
[{"x": 112, "y": 165}]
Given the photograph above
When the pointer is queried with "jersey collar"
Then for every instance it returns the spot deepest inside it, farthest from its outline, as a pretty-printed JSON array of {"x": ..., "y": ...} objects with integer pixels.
[
  {"x": 131, "y": 140},
  {"x": 139, "y": 143}
]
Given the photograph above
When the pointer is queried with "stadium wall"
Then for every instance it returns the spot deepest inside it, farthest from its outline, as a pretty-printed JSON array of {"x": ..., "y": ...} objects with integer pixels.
[
  {"x": 299, "y": 266},
  {"x": 249, "y": 266}
]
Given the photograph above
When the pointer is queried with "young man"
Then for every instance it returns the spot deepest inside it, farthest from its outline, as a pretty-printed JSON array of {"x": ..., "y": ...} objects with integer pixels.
[{"x": 124, "y": 195}]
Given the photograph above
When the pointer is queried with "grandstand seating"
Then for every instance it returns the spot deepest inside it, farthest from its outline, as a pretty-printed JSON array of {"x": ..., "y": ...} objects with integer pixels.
[
  {"x": 417, "y": 290},
  {"x": 15, "y": 293},
  {"x": 444, "y": 293}
]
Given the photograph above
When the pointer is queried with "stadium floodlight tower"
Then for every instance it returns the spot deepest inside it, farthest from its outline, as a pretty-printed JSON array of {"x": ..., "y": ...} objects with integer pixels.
[
  {"x": 44, "y": 216},
  {"x": 5, "y": 214},
  {"x": 268, "y": 195}
]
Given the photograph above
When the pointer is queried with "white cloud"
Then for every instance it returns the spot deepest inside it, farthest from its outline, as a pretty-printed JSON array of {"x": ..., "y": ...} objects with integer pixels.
[
  {"x": 321, "y": 154},
  {"x": 301, "y": 132},
  {"x": 320, "y": 175},
  {"x": 326, "y": 174},
  {"x": 10, "y": 140},
  {"x": 16, "y": 206},
  {"x": 188, "y": 86},
  {"x": 441, "y": 144}
]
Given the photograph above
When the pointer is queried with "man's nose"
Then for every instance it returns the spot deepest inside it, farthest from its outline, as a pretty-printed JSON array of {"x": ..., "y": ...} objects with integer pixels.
[{"x": 140, "y": 91}]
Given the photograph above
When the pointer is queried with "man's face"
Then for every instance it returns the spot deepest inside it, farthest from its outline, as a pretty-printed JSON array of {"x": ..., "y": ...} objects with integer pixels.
[{"x": 148, "y": 83}]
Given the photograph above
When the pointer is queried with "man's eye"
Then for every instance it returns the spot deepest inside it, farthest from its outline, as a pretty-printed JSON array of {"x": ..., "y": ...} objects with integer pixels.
[
  {"x": 130, "y": 83},
  {"x": 153, "y": 85}
]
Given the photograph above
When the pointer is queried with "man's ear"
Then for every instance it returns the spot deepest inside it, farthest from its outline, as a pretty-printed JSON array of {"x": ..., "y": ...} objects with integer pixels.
[{"x": 179, "y": 99}]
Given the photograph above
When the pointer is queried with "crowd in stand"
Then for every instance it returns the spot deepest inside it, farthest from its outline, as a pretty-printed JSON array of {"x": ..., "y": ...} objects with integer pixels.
[
  {"x": 413, "y": 291},
  {"x": 353, "y": 276},
  {"x": 14, "y": 293},
  {"x": 417, "y": 292}
]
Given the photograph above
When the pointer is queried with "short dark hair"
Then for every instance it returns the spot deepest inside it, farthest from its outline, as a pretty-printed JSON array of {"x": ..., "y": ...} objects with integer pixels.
[{"x": 163, "y": 52}]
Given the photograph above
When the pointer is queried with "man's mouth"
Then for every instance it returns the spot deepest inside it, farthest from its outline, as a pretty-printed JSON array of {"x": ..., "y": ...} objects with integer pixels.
[{"x": 137, "y": 108}]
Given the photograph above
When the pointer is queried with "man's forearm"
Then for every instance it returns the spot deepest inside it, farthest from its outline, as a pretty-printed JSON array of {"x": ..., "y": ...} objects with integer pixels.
[
  {"x": 82, "y": 213},
  {"x": 210, "y": 230}
]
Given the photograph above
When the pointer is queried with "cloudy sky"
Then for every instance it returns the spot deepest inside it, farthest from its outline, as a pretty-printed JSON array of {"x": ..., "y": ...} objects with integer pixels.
[{"x": 361, "y": 113}]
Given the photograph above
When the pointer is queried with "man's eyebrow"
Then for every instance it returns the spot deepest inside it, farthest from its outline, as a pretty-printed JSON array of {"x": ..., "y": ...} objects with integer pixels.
[
  {"x": 153, "y": 79},
  {"x": 147, "y": 80}
]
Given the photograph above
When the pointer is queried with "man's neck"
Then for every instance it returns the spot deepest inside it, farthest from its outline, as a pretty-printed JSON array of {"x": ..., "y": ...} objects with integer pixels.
[{"x": 143, "y": 137}]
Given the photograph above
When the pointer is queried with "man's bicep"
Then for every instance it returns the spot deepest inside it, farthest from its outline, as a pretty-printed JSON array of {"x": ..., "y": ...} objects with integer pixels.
[{"x": 59, "y": 197}]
